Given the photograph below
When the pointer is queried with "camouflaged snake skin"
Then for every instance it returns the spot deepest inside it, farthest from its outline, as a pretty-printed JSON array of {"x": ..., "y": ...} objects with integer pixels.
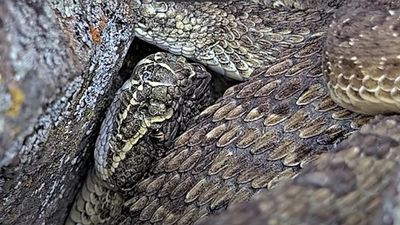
[
  {"x": 261, "y": 132},
  {"x": 363, "y": 58},
  {"x": 233, "y": 37},
  {"x": 357, "y": 185}
]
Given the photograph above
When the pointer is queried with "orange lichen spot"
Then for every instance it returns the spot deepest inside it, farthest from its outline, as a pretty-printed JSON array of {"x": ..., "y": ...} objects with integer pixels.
[
  {"x": 18, "y": 98},
  {"x": 96, "y": 34}
]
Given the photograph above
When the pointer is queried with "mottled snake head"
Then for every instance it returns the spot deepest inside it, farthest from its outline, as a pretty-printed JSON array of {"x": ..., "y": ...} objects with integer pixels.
[{"x": 147, "y": 113}]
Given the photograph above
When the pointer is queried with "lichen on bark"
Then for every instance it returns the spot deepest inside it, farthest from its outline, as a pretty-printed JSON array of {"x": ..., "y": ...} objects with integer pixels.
[{"x": 60, "y": 68}]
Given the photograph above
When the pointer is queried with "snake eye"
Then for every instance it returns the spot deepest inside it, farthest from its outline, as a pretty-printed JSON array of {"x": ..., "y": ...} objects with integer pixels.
[{"x": 158, "y": 134}]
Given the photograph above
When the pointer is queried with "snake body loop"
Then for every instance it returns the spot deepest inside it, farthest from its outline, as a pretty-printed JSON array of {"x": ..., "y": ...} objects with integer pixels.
[
  {"x": 232, "y": 38},
  {"x": 363, "y": 58}
]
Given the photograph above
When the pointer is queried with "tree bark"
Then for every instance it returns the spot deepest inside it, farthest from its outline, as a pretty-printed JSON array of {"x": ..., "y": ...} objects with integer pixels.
[{"x": 58, "y": 72}]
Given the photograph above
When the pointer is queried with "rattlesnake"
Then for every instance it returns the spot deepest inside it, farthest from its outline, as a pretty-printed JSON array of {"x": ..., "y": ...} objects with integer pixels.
[{"x": 261, "y": 131}]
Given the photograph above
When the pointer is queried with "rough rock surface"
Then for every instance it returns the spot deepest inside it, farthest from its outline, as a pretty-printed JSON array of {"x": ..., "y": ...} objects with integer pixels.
[{"x": 60, "y": 62}]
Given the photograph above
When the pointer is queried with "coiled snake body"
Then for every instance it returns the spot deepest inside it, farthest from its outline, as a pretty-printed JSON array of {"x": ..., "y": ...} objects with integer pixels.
[{"x": 261, "y": 131}]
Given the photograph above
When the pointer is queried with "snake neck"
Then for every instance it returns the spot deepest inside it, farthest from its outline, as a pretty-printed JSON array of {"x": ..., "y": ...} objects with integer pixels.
[{"x": 231, "y": 38}]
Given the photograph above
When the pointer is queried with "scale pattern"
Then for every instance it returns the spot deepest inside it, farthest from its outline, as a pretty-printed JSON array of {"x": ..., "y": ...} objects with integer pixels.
[
  {"x": 232, "y": 38},
  {"x": 357, "y": 185},
  {"x": 363, "y": 57}
]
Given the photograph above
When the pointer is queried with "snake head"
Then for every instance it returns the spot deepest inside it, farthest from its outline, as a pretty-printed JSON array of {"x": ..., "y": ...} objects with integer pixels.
[{"x": 148, "y": 112}]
